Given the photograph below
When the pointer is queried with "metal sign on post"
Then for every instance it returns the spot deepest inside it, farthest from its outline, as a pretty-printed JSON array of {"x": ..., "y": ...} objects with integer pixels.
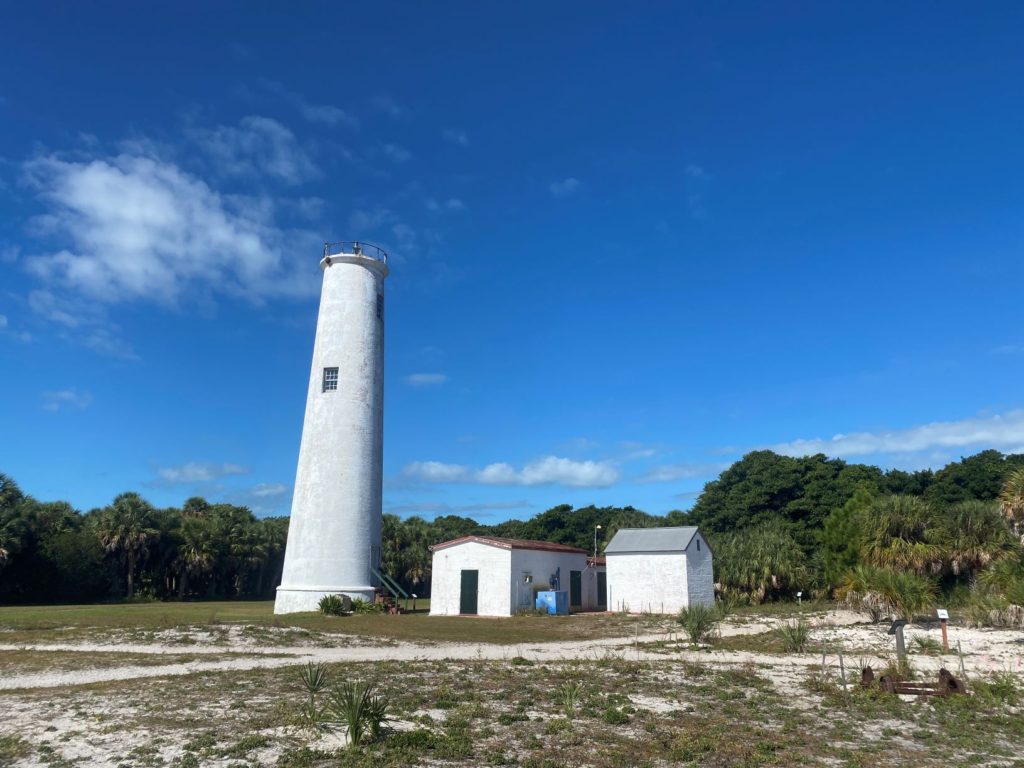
[{"x": 943, "y": 615}]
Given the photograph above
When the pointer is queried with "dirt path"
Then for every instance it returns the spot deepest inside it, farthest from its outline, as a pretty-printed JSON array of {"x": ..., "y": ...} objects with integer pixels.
[{"x": 985, "y": 651}]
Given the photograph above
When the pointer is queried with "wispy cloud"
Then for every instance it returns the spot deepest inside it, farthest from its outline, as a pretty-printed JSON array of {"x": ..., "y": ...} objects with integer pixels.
[
  {"x": 666, "y": 473},
  {"x": 455, "y": 137},
  {"x": 425, "y": 379},
  {"x": 395, "y": 152},
  {"x": 1009, "y": 349},
  {"x": 198, "y": 472},
  {"x": 451, "y": 204},
  {"x": 268, "y": 490},
  {"x": 999, "y": 431},
  {"x": 66, "y": 398},
  {"x": 457, "y": 509},
  {"x": 565, "y": 187},
  {"x": 258, "y": 146},
  {"x": 327, "y": 114},
  {"x": 387, "y": 104},
  {"x": 550, "y": 470},
  {"x": 696, "y": 181}
]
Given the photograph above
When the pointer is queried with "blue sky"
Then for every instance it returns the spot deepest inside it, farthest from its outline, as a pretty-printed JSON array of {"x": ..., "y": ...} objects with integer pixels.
[{"x": 626, "y": 247}]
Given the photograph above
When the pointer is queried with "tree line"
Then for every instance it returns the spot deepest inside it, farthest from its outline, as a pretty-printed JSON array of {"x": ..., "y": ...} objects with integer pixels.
[
  {"x": 49, "y": 552},
  {"x": 776, "y": 525}
]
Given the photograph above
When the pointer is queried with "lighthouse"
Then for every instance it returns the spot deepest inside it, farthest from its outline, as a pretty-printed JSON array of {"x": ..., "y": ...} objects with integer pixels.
[{"x": 334, "y": 534}]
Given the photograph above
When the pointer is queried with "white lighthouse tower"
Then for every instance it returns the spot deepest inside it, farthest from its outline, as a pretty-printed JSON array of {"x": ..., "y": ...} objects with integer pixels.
[{"x": 335, "y": 528}]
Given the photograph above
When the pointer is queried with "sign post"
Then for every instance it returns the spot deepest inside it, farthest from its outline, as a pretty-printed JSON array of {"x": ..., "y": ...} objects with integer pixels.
[
  {"x": 901, "y": 648},
  {"x": 943, "y": 615}
]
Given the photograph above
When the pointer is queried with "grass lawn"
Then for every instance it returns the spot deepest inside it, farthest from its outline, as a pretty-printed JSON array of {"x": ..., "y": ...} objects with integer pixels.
[{"x": 25, "y": 624}]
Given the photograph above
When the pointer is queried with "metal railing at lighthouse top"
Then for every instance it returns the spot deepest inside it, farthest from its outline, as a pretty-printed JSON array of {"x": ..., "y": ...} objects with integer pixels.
[{"x": 357, "y": 247}]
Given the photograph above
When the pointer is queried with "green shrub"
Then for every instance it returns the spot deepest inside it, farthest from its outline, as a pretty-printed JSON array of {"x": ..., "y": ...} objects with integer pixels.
[
  {"x": 795, "y": 635},
  {"x": 365, "y": 606},
  {"x": 332, "y": 605},
  {"x": 362, "y": 712},
  {"x": 700, "y": 622}
]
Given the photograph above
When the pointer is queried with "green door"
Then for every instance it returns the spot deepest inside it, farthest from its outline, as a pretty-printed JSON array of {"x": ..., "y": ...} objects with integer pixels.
[
  {"x": 602, "y": 589},
  {"x": 467, "y": 596},
  {"x": 575, "y": 589}
]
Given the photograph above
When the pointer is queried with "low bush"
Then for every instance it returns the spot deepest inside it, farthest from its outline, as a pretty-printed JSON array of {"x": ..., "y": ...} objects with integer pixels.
[
  {"x": 795, "y": 635},
  {"x": 699, "y": 622},
  {"x": 332, "y": 605}
]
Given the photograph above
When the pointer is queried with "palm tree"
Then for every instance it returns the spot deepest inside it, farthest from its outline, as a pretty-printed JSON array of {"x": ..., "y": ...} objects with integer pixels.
[
  {"x": 125, "y": 527},
  {"x": 974, "y": 534},
  {"x": 196, "y": 552},
  {"x": 1011, "y": 501},
  {"x": 898, "y": 534}
]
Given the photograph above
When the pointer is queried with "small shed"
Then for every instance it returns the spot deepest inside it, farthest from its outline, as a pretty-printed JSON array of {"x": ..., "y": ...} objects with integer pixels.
[
  {"x": 659, "y": 570},
  {"x": 493, "y": 576}
]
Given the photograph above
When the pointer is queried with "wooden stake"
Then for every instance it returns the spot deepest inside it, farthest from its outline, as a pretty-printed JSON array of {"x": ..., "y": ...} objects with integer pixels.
[
  {"x": 945, "y": 637},
  {"x": 842, "y": 670}
]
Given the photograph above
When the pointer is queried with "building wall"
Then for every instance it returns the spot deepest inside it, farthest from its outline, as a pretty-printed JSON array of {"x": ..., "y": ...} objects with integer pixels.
[
  {"x": 590, "y": 587},
  {"x": 494, "y": 590},
  {"x": 541, "y": 565},
  {"x": 649, "y": 582},
  {"x": 700, "y": 576}
]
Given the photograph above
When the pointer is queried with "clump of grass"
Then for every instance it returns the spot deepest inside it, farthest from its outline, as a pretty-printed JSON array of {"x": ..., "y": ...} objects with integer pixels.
[
  {"x": 569, "y": 697},
  {"x": 795, "y": 635},
  {"x": 699, "y": 622},
  {"x": 926, "y": 644}
]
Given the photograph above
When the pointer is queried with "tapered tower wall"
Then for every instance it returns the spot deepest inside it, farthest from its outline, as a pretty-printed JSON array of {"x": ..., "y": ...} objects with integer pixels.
[{"x": 334, "y": 535}]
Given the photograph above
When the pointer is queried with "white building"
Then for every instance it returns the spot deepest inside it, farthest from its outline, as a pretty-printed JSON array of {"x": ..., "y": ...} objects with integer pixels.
[
  {"x": 490, "y": 576},
  {"x": 335, "y": 528},
  {"x": 658, "y": 570}
]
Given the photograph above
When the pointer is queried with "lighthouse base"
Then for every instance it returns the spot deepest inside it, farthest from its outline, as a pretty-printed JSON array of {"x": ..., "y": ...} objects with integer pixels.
[{"x": 306, "y": 599}]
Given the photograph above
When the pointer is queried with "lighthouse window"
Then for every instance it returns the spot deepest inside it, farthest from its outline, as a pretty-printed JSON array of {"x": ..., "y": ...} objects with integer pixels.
[
  {"x": 380, "y": 306},
  {"x": 330, "y": 379}
]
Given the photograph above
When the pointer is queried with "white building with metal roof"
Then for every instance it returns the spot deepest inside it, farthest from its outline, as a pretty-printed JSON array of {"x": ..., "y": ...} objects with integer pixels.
[
  {"x": 659, "y": 570},
  {"x": 493, "y": 576}
]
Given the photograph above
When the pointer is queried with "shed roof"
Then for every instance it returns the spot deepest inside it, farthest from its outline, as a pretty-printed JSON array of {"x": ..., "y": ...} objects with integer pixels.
[
  {"x": 651, "y": 540},
  {"x": 496, "y": 541}
]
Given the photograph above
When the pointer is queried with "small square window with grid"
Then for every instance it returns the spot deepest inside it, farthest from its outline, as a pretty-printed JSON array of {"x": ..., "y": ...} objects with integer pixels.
[{"x": 330, "y": 379}]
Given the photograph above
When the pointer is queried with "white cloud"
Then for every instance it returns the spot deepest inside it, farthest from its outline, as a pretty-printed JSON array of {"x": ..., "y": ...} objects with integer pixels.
[
  {"x": 455, "y": 137},
  {"x": 550, "y": 470},
  {"x": 3, "y": 321},
  {"x": 565, "y": 187},
  {"x": 198, "y": 472},
  {"x": 425, "y": 379},
  {"x": 65, "y": 398},
  {"x": 451, "y": 204},
  {"x": 137, "y": 227},
  {"x": 259, "y": 146},
  {"x": 999, "y": 431}
]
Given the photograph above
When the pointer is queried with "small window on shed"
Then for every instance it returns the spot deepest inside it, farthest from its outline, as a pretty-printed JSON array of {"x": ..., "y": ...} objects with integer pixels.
[
  {"x": 698, "y": 545},
  {"x": 330, "y": 379}
]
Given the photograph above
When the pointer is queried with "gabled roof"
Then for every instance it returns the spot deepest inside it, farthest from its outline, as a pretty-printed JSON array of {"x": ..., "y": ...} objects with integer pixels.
[
  {"x": 495, "y": 541},
  {"x": 650, "y": 540}
]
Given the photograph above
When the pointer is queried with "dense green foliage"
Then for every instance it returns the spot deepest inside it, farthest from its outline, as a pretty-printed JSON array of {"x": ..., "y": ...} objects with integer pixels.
[
  {"x": 776, "y": 524},
  {"x": 51, "y": 553}
]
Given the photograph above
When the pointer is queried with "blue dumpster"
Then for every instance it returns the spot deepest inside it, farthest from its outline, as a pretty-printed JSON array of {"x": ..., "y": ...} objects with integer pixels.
[{"x": 554, "y": 603}]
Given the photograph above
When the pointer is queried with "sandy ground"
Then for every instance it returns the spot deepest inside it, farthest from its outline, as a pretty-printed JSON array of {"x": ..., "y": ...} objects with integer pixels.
[{"x": 984, "y": 652}]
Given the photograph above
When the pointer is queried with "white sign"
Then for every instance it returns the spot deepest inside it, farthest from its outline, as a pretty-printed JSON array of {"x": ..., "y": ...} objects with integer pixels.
[{"x": 943, "y": 614}]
